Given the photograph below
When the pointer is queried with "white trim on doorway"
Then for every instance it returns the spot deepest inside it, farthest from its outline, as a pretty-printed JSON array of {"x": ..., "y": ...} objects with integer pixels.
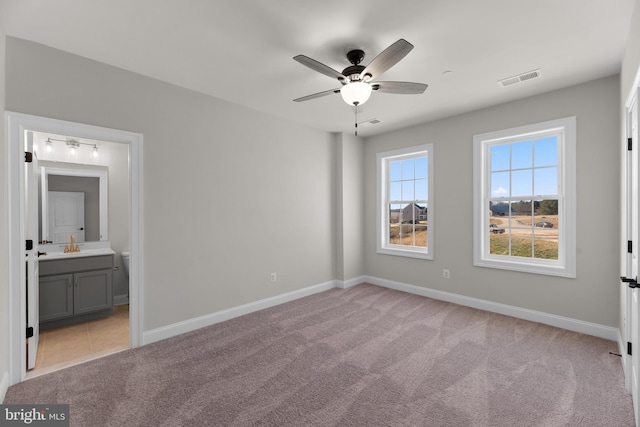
[{"x": 16, "y": 125}]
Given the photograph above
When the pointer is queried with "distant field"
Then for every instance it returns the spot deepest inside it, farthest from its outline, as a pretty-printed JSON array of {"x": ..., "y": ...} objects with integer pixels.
[
  {"x": 406, "y": 233},
  {"x": 521, "y": 246}
]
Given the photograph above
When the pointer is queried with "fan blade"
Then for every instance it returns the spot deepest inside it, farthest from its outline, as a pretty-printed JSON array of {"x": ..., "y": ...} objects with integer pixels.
[
  {"x": 317, "y": 95},
  {"x": 387, "y": 59},
  {"x": 405, "y": 88},
  {"x": 319, "y": 67}
]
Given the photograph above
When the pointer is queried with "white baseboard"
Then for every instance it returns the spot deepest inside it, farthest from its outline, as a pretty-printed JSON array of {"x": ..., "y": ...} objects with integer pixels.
[
  {"x": 601, "y": 331},
  {"x": 575, "y": 325},
  {"x": 351, "y": 282},
  {"x": 174, "y": 329},
  {"x": 4, "y": 385}
]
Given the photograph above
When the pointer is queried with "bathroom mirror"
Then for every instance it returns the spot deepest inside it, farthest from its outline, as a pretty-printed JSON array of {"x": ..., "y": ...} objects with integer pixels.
[{"x": 73, "y": 200}]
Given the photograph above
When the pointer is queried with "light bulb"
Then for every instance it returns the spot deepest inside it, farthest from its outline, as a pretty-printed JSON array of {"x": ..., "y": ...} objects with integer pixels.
[
  {"x": 94, "y": 152},
  {"x": 356, "y": 92}
]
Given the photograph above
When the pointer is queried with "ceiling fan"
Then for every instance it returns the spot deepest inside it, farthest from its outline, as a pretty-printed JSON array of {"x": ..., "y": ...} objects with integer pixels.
[{"x": 358, "y": 81}]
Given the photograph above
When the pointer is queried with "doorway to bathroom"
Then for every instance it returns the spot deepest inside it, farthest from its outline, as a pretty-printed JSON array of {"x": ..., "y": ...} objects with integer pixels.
[
  {"x": 94, "y": 308},
  {"x": 83, "y": 197}
]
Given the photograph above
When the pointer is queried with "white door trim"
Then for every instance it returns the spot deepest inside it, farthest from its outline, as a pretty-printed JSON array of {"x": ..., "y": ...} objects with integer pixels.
[{"x": 16, "y": 124}]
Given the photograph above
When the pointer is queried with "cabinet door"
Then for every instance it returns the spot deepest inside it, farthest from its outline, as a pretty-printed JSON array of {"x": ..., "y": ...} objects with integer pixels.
[
  {"x": 56, "y": 297},
  {"x": 93, "y": 291}
]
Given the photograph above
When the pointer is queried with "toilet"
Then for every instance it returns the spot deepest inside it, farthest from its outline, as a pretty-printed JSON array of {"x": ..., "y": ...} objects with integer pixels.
[{"x": 125, "y": 261}]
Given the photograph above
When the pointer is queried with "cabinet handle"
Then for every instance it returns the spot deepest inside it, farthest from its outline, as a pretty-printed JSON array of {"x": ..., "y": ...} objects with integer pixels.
[{"x": 76, "y": 281}]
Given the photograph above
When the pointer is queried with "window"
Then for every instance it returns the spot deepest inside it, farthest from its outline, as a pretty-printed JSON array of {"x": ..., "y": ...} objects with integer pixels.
[
  {"x": 405, "y": 208},
  {"x": 524, "y": 198}
]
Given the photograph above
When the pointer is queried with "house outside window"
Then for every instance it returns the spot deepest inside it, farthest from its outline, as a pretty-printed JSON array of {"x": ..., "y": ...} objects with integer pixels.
[
  {"x": 524, "y": 198},
  {"x": 405, "y": 202}
]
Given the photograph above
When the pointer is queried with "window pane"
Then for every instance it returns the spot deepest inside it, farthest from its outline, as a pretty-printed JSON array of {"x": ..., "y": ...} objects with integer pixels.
[
  {"x": 499, "y": 244},
  {"x": 521, "y": 155},
  {"x": 499, "y": 209},
  {"x": 394, "y": 223},
  {"x": 522, "y": 183},
  {"x": 408, "y": 168},
  {"x": 521, "y": 214},
  {"x": 498, "y": 225},
  {"x": 408, "y": 213},
  {"x": 395, "y": 191},
  {"x": 421, "y": 236},
  {"x": 546, "y": 151},
  {"x": 395, "y": 170},
  {"x": 422, "y": 191},
  {"x": 422, "y": 167},
  {"x": 394, "y": 214},
  {"x": 546, "y": 181},
  {"x": 500, "y": 184},
  {"x": 423, "y": 219},
  {"x": 408, "y": 190},
  {"x": 500, "y": 158},
  {"x": 521, "y": 244},
  {"x": 405, "y": 235},
  {"x": 546, "y": 243}
]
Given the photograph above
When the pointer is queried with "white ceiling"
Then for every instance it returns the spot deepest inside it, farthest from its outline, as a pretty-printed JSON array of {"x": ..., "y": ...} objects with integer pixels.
[{"x": 242, "y": 50}]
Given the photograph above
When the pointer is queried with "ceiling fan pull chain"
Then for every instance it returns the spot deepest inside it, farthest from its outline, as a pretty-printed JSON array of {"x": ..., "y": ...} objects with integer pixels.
[{"x": 356, "y": 104}]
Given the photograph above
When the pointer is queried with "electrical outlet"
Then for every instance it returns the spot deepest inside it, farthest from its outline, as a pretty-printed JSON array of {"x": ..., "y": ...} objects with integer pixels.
[
  {"x": 446, "y": 273},
  {"x": 274, "y": 277}
]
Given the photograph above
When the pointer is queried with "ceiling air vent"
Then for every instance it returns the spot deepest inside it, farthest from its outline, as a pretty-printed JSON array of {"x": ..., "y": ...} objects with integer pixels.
[
  {"x": 519, "y": 78},
  {"x": 369, "y": 122}
]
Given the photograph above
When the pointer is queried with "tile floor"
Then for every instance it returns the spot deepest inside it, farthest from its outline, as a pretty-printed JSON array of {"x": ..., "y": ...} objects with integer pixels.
[{"x": 62, "y": 347}]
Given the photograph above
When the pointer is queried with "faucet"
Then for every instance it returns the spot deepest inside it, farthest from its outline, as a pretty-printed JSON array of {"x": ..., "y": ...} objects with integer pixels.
[{"x": 72, "y": 246}]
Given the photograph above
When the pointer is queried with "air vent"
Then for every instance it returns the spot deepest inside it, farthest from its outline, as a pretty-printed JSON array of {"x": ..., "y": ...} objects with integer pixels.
[
  {"x": 519, "y": 78},
  {"x": 369, "y": 122}
]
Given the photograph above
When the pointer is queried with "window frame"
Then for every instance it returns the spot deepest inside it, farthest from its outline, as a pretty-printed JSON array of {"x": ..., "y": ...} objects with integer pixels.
[
  {"x": 382, "y": 200},
  {"x": 565, "y": 265}
]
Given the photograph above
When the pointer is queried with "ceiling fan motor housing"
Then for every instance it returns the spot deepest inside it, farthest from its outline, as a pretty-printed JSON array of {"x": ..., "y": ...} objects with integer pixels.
[
  {"x": 353, "y": 72},
  {"x": 355, "y": 57}
]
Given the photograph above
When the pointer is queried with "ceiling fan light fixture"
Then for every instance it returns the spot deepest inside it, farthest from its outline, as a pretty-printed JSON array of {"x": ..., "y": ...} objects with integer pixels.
[{"x": 356, "y": 93}]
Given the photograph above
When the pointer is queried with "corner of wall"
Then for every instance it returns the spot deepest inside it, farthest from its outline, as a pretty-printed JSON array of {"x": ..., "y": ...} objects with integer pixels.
[{"x": 4, "y": 300}]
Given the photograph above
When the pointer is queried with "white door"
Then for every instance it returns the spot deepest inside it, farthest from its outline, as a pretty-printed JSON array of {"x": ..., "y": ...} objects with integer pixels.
[
  {"x": 32, "y": 207},
  {"x": 66, "y": 216},
  {"x": 630, "y": 291}
]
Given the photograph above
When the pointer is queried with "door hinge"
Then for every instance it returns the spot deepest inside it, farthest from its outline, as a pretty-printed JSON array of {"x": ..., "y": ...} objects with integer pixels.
[
  {"x": 629, "y": 246},
  {"x": 28, "y": 157},
  {"x": 629, "y": 144},
  {"x": 629, "y": 348},
  {"x": 28, "y": 245},
  {"x": 29, "y": 332}
]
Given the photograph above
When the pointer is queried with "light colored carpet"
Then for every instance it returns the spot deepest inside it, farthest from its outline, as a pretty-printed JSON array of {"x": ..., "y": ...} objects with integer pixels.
[{"x": 364, "y": 356}]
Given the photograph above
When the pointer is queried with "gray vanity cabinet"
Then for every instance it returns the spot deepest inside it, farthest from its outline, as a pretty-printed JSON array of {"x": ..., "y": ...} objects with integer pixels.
[
  {"x": 56, "y": 297},
  {"x": 75, "y": 290}
]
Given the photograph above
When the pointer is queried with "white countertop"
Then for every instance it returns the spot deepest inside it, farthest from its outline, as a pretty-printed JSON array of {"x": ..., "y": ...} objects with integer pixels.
[{"x": 86, "y": 250}]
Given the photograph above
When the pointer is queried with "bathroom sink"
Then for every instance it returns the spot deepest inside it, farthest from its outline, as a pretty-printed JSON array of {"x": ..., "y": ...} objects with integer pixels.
[{"x": 86, "y": 250}]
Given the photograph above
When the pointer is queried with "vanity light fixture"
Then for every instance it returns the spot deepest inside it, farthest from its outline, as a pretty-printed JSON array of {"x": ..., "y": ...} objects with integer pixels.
[{"x": 74, "y": 146}]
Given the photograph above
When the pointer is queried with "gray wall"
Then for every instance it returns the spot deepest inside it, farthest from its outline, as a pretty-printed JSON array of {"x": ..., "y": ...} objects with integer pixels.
[
  {"x": 119, "y": 224},
  {"x": 593, "y": 296},
  {"x": 4, "y": 285},
  {"x": 230, "y": 194},
  {"x": 349, "y": 208}
]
